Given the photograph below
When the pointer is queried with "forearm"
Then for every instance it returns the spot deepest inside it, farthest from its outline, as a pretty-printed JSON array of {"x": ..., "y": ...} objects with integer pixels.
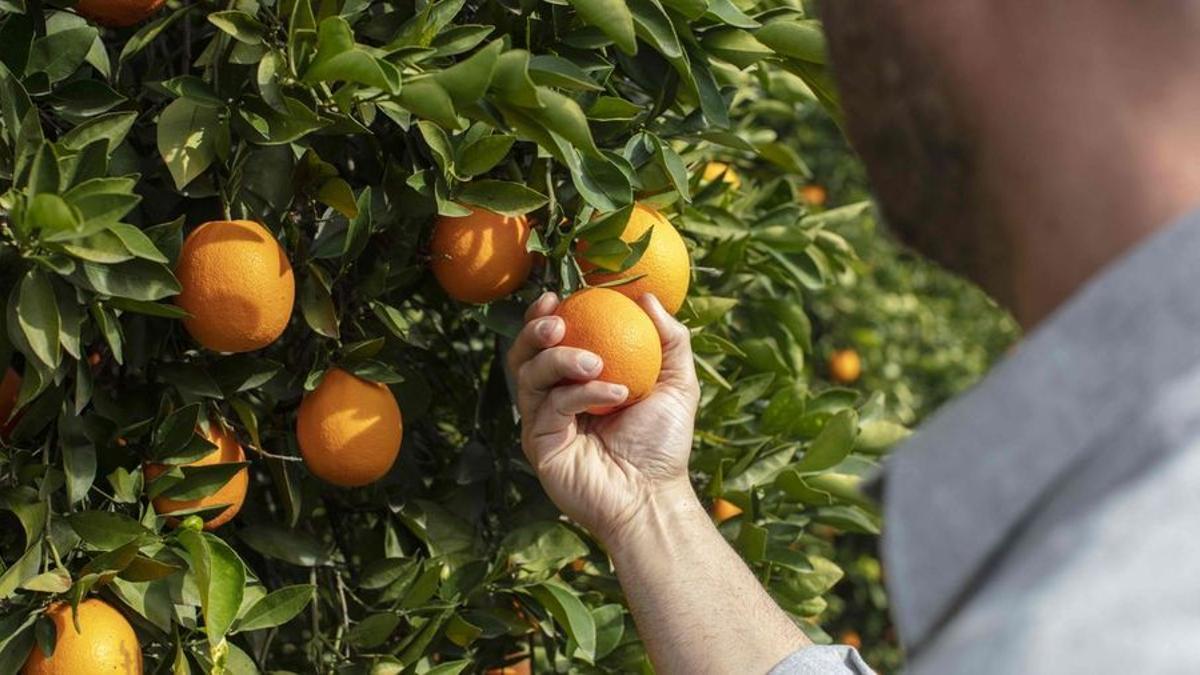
[{"x": 698, "y": 607}]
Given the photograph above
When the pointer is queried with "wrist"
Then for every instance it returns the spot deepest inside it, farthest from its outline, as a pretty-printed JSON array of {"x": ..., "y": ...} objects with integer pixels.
[{"x": 669, "y": 514}]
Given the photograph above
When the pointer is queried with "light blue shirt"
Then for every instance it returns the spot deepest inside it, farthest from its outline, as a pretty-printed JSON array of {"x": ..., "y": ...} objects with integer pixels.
[{"x": 1048, "y": 521}]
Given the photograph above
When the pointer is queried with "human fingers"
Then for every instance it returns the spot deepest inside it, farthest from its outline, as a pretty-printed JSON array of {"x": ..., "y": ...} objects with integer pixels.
[
  {"x": 537, "y": 376},
  {"x": 678, "y": 367},
  {"x": 541, "y": 330},
  {"x": 549, "y": 428}
]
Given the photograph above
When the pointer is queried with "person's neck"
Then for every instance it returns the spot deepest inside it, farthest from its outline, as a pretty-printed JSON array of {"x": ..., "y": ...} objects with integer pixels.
[{"x": 1077, "y": 188}]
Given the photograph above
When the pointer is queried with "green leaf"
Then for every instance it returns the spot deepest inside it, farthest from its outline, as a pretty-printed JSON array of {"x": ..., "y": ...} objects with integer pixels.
[
  {"x": 878, "y": 435},
  {"x": 799, "y": 39},
  {"x": 106, "y": 530},
  {"x": 613, "y": 18},
  {"x": 135, "y": 279},
  {"x": 510, "y": 199},
  {"x": 277, "y": 608},
  {"x": 189, "y": 138},
  {"x": 728, "y": 12},
  {"x": 426, "y": 98},
  {"x": 570, "y": 613},
  {"x": 111, "y": 128},
  {"x": 316, "y": 304},
  {"x": 79, "y": 456},
  {"x": 220, "y": 581},
  {"x": 196, "y": 482},
  {"x": 51, "y": 215},
  {"x": 556, "y": 71},
  {"x": 543, "y": 546},
  {"x": 831, "y": 446},
  {"x": 483, "y": 154},
  {"x": 373, "y": 630},
  {"x": 467, "y": 80},
  {"x": 340, "y": 59},
  {"x": 239, "y": 25},
  {"x": 291, "y": 546},
  {"x": 60, "y": 54},
  {"x": 37, "y": 315}
]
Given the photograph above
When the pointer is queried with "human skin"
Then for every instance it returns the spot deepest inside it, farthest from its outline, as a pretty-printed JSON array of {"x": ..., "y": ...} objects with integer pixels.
[
  {"x": 698, "y": 607},
  {"x": 1012, "y": 141}
]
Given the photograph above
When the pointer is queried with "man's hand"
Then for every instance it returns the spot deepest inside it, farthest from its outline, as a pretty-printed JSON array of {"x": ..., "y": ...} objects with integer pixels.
[
  {"x": 624, "y": 477},
  {"x": 602, "y": 471}
]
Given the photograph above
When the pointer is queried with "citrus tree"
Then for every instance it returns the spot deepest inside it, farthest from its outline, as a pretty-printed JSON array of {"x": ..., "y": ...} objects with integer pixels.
[{"x": 261, "y": 262}]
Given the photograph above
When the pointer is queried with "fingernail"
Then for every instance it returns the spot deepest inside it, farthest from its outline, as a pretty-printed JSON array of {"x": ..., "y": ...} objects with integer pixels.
[
  {"x": 618, "y": 390},
  {"x": 589, "y": 362},
  {"x": 542, "y": 298},
  {"x": 546, "y": 328}
]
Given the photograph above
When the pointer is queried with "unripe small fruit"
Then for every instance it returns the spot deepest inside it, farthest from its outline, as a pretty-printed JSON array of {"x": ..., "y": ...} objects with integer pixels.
[{"x": 845, "y": 367}]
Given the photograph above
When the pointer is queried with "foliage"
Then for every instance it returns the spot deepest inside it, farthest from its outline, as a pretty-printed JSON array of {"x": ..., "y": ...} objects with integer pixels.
[{"x": 345, "y": 127}]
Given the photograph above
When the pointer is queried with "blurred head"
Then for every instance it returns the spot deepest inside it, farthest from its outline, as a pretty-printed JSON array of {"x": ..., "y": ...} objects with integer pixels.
[{"x": 1023, "y": 144}]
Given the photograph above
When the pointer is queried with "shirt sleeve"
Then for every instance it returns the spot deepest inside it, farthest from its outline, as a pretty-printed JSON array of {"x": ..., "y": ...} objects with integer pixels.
[{"x": 823, "y": 660}]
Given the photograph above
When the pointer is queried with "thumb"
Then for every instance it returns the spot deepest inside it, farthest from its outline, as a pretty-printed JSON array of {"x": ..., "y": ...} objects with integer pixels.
[{"x": 678, "y": 368}]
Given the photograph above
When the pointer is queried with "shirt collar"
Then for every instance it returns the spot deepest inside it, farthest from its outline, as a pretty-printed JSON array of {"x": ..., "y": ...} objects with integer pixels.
[{"x": 957, "y": 489}]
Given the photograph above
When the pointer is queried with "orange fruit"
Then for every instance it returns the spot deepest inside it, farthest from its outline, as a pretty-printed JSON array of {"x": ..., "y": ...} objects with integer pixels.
[
  {"x": 850, "y": 638},
  {"x": 616, "y": 329},
  {"x": 237, "y": 285},
  {"x": 522, "y": 667},
  {"x": 117, "y": 13},
  {"x": 664, "y": 269},
  {"x": 723, "y": 510},
  {"x": 232, "y": 493},
  {"x": 813, "y": 195},
  {"x": 481, "y": 257},
  {"x": 727, "y": 174},
  {"x": 10, "y": 388},
  {"x": 845, "y": 366},
  {"x": 105, "y": 643},
  {"x": 349, "y": 429}
]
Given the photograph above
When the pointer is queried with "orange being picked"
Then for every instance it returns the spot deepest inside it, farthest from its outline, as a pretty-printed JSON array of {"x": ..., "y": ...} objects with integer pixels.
[
  {"x": 664, "y": 269},
  {"x": 104, "y": 645},
  {"x": 813, "y": 195},
  {"x": 723, "y": 510},
  {"x": 617, "y": 330},
  {"x": 10, "y": 388},
  {"x": 117, "y": 13},
  {"x": 844, "y": 366},
  {"x": 237, "y": 285},
  {"x": 481, "y": 257},
  {"x": 349, "y": 429},
  {"x": 727, "y": 174},
  {"x": 232, "y": 493}
]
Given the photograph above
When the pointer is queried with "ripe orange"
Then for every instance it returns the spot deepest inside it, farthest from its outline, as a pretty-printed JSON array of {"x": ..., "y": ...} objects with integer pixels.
[
  {"x": 845, "y": 366},
  {"x": 481, "y": 257},
  {"x": 813, "y": 195},
  {"x": 349, "y": 429},
  {"x": 232, "y": 493},
  {"x": 117, "y": 13},
  {"x": 850, "y": 638},
  {"x": 104, "y": 645},
  {"x": 723, "y": 510},
  {"x": 522, "y": 667},
  {"x": 664, "y": 268},
  {"x": 725, "y": 172},
  {"x": 237, "y": 286},
  {"x": 10, "y": 388},
  {"x": 616, "y": 329}
]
